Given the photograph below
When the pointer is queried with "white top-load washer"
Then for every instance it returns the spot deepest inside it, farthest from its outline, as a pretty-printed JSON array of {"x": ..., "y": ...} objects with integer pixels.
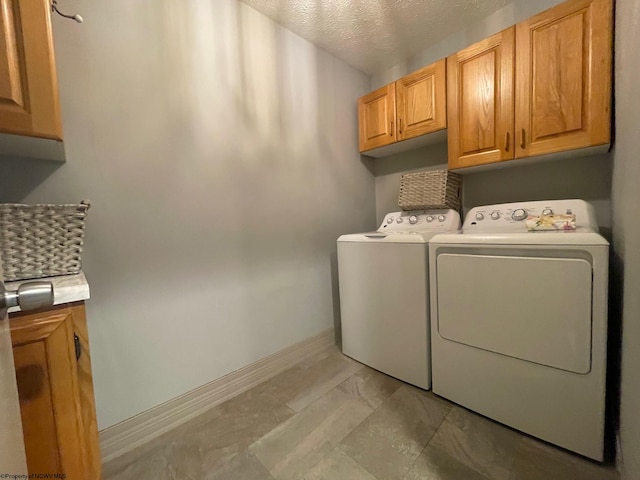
[
  {"x": 519, "y": 321},
  {"x": 384, "y": 293}
]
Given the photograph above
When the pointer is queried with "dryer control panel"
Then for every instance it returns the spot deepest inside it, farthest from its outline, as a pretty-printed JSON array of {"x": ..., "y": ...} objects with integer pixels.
[
  {"x": 510, "y": 217},
  {"x": 420, "y": 221}
]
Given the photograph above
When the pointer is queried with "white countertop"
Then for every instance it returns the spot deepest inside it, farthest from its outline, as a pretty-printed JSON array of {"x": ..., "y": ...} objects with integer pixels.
[{"x": 66, "y": 288}]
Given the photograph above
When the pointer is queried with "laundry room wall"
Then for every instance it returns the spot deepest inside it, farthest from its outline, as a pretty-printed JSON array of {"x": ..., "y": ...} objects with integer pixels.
[
  {"x": 583, "y": 177},
  {"x": 220, "y": 154},
  {"x": 626, "y": 229}
]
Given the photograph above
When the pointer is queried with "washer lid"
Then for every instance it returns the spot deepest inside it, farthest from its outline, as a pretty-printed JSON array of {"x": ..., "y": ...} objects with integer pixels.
[
  {"x": 380, "y": 237},
  {"x": 581, "y": 236}
]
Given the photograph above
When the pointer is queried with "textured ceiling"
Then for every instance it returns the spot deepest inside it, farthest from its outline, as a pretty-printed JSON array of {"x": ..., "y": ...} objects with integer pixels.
[{"x": 373, "y": 35}]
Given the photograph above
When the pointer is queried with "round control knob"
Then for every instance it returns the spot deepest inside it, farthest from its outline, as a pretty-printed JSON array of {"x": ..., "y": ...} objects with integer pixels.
[
  {"x": 479, "y": 216},
  {"x": 547, "y": 211},
  {"x": 413, "y": 219},
  {"x": 519, "y": 214},
  {"x": 441, "y": 218},
  {"x": 495, "y": 215},
  {"x": 390, "y": 220},
  {"x": 429, "y": 218},
  {"x": 399, "y": 220}
]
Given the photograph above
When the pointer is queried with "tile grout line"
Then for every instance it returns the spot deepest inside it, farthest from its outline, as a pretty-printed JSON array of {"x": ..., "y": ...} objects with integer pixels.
[
  {"x": 355, "y": 461},
  {"x": 426, "y": 444}
]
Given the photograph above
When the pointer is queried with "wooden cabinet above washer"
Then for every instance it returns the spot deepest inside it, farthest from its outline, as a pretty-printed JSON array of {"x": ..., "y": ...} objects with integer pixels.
[{"x": 406, "y": 109}]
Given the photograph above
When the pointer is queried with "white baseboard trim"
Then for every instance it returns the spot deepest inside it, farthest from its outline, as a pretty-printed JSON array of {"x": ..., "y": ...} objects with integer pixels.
[{"x": 144, "y": 427}]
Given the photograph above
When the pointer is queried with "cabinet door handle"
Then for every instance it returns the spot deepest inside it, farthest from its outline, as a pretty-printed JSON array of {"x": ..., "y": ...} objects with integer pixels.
[
  {"x": 391, "y": 129},
  {"x": 507, "y": 139},
  {"x": 522, "y": 139},
  {"x": 400, "y": 125},
  {"x": 76, "y": 342}
]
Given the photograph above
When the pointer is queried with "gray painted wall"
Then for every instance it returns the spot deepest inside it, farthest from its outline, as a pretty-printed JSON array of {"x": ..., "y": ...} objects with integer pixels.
[
  {"x": 220, "y": 153},
  {"x": 507, "y": 16},
  {"x": 626, "y": 229},
  {"x": 586, "y": 177}
]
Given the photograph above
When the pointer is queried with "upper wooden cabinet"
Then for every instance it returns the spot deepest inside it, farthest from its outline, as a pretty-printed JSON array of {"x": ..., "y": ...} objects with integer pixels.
[
  {"x": 563, "y": 78},
  {"x": 28, "y": 84},
  {"x": 377, "y": 118},
  {"x": 420, "y": 101},
  {"x": 407, "y": 108},
  {"x": 480, "y": 102},
  {"x": 562, "y": 95}
]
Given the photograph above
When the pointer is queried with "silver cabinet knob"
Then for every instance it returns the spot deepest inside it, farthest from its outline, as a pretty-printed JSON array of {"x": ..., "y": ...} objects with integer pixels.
[{"x": 29, "y": 296}]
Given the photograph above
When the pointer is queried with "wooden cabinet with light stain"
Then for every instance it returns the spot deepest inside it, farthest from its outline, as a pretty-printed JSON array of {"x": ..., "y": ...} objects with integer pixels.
[
  {"x": 53, "y": 371},
  {"x": 29, "y": 102},
  {"x": 555, "y": 95},
  {"x": 407, "y": 108},
  {"x": 563, "y": 78},
  {"x": 377, "y": 118},
  {"x": 421, "y": 102},
  {"x": 480, "y": 102}
]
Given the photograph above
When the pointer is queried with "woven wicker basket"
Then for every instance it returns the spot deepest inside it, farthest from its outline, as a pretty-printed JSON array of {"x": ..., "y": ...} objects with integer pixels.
[
  {"x": 39, "y": 241},
  {"x": 431, "y": 189}
]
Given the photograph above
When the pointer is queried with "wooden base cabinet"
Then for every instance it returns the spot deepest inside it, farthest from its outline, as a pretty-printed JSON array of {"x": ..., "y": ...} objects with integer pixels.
[
  {"x": 549, "y": 93},
  {"x": 55, "y": 387},
  {"x": 29, "y": 103}
]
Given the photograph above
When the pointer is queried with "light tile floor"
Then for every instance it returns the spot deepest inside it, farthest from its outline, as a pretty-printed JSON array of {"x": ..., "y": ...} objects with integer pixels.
[{"x": 331, "y": 418}]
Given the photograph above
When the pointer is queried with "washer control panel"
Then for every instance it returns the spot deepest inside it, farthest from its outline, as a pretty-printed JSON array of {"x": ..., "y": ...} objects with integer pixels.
[
  {"x": 512, "y": 216},
  {"x": 417, "y": 221}
]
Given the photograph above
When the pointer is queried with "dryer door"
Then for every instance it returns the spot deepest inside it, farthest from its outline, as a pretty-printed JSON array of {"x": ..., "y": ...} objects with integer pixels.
[{"x": 531, "y": 308}]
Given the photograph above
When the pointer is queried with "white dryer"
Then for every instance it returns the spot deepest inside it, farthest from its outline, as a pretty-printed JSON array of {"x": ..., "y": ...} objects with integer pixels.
[
  {"x": 384, "y": 293},
  {"x": 519, "y": 322}
]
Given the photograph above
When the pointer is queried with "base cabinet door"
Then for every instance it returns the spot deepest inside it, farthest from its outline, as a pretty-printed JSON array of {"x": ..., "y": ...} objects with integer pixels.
[
  {"x": 56, "y": 397},
  {"x": 480, "y": 102},
  {"x": 563, "y": 78}
]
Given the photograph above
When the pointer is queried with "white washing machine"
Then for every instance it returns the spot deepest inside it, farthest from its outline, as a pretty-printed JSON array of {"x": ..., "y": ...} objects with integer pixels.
[
  {"x": 384, "y": 290},
  {"x": 519, "y": 322}
]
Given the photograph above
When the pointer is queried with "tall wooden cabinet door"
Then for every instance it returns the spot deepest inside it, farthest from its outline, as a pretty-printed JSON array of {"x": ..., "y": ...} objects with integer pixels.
[
  {"x": 563, "y": 78},
  {"x": 480, "y": 102},
  {"x": 45, "y": 362},
  {"x": 421, "y": 101},
  {"x": 377, "y": 118},
  {"x": 28, "y": 84}
]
